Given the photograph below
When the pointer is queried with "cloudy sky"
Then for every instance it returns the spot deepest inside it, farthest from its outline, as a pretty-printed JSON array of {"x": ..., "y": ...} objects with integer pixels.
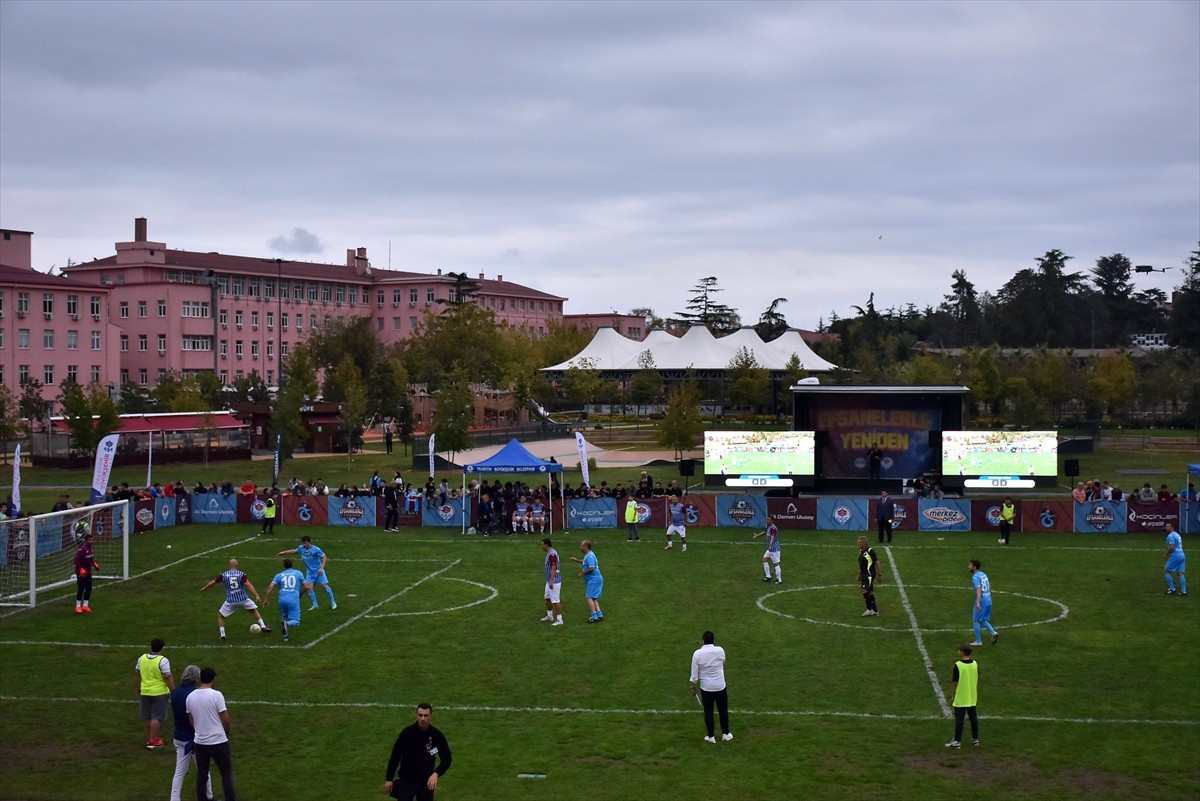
[{"x": 614, "y": 152}]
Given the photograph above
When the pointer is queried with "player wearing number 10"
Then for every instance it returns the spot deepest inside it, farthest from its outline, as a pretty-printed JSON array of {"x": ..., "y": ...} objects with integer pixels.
[
  {"x": 289, "y": 580},
  {"x": 315, "y": 561}
]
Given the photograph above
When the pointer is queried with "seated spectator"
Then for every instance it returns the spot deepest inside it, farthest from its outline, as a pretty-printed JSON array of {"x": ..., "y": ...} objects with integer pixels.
[
  {"x": 936, "y": 493},
  {"x": 658, "y": 489},
  {"x": 199, "y": 489},
  {"x": 1164, "y": 494},
  {"x": 486, "y": 515},
  {"x": 1079, "y": 494},
  {"x": 156, "y": 491},
  {"x": 248, "y": 488},
  {"x": 412, "y": 500},
  {"x": 1147, "y": 494},
  {"x": 227, "y": 488},
  {"x": 343, "y": 491}
]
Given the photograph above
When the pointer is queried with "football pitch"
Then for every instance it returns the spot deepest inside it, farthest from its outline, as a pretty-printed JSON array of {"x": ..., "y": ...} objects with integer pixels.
[{"x": 1091, "y": 693}]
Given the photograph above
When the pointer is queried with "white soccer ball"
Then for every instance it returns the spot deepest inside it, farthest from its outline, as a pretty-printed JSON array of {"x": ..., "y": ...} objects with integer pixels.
[{"x": 255, "y": 628}]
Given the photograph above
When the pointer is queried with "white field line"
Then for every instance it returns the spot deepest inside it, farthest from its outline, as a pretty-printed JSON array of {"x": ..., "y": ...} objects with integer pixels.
[
  {"x": 375, "y": 606},
  {"x": 495, "y": 594},
  {"x": 916, "y": 631},
  {"x": 541, "y": 710},
  {"x": 907, "y": 547}
]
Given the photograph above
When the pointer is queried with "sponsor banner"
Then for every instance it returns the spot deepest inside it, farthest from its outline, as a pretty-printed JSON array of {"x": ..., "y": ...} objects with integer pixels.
[
  {"x": 905, "y": 516},
  {"x": 843, "y": 514},
  {"x": 1046, "y": 516},
  {"x": 985, "y": 515},
  {"x": 143, "y": 516},
  {"x": 304, "y": 510},
  {"x": 1153, "y": 517},
  {"x": 102, "y": 470},
  {"x": 448, "y": 514},
  {"x": 164, "y": 513},
  {"x": 118, "y": 522},
  {"x": 358, "y": 511},
  {"x": 251, "y": 508},
  {"x": 52, "y": 538},
  {"x": 592, "y": 513},
  {"x": 183, "y": 508},
  {"x": 3, "y": 543},
  {"x": 899, "y": 427},
  {"x": 745, "y": 511},
  {"x": 1100, "y": 516},
  {"x": 793, "y": 512},
  {"x": 699, "y": 510},
  {"x": 213, "y": 507},
  {"x": 16, "y": 543},
  {"x": 942, "y": 515},
  {"x": 16, "y": 491}
]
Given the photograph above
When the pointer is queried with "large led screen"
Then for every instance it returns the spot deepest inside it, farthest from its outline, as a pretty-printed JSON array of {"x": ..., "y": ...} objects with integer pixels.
[
  {"x": 1000, "y": 453},
  {"x": 760, "y": 453}
]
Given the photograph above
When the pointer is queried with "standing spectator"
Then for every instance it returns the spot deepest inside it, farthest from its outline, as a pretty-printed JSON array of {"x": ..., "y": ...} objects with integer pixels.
[
  {"x": 885, "y": 516},
  {"x": 1164, "y": 494},
  {"x": 631, "y": 519},
  {"x": 589, "y": 571},
  {"x": 981, "y": 614},
  {"x": 421, "y": 755},
  {"x": 376, "y": 484},
  {"x": 1147, "y": 494},
  {"x": 553, "y": 585},
  {"x": 869, "y": 573},
  {"x": 210, "y": 718},
  {"x": 1008, "y": 514},
  {"x": 387, "y": 437},
  {"x": 1117, "y": 495},
  {"x": 708, "y": 671},
  {"x": 875, "y": 462},
  {"x": 1188, "y": 493},
  {"x": 771, "y": 556},
  {"x": 184, "y": 736},
  {"x": 391, "y": 505},
  {"x": 248, "y": 488},
  {"x": 676, "y": 523},
  {"x": 236, "y": 583},
  {"x": 965, "y": 684},
  {"x": 154, "y": 685},
  {"x": 1079, "y": 494},
  {"x": 1105, "y": 491},
  {"x": 270, "y": 512},
  {"x": 85, "y": 565},
  {"x": 1176, "y": 562}
]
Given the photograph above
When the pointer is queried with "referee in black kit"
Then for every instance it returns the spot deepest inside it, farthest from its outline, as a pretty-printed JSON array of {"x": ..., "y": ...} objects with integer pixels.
[{"x": 418, "y": 747}]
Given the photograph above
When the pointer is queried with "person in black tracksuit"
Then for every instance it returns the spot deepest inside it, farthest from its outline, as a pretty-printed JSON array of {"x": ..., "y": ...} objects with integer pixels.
[
  {"x": 391, "y": 502},
  {"x": 418, "y": 747}
]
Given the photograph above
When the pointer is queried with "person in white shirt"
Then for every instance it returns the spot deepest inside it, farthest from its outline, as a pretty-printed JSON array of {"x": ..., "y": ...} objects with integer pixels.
[
  {"x": 210, "y": 718},
  {"x": 708, "y": 671}
]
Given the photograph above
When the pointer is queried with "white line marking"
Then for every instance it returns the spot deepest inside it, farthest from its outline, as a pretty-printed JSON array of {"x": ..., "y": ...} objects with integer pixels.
[
  {"x": 916, "y": 631},
  {"x": 495, "y": 593},
  {"x": 539, "y": 710},
  {"x": 342, "y": 559},
  {"x": 917, "y": 547}
]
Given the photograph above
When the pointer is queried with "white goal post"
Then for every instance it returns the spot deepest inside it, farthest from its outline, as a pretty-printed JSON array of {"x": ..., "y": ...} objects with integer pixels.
[{"x": 38, "y": 553}]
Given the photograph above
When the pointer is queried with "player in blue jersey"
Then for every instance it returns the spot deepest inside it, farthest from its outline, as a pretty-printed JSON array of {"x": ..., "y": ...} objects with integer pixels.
[
  {"x": 315, "y": 561},
  {"x": 289, "y": 581},
  {"x": 520, "y": 516},
  {"x": 236, "y": 583},
  {"x": 981, "y": 615},
  {"x": 553, "y": 585},
  {"x": 771, "y": 556},
  {"x": 589, "y": 571},
  {"x": 677, "y": 523},
  {"x": 1176, "y": 562}
]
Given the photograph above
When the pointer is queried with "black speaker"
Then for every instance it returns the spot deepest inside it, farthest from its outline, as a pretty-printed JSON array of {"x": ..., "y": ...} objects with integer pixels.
[
  {"x": 687, "y": 467},
  {"x": 935, "y": 440},
  {"x": 1071, "y": 467}
]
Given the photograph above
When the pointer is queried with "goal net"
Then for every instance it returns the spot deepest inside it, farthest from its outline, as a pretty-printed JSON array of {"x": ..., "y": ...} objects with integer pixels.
[{"x": 37, "y": 554}]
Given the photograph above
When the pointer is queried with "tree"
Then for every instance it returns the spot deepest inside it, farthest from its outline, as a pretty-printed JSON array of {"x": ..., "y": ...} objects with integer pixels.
[
  {"x": 582, "y": 381},
  {"x": 404, "y": 421},
  {"x": 352, "y": 401},
  {"x": 298, "y": 387},
  {"x": 702, "y": 309},
  {"x": 32, "y": 405},
  {"x": 89, "y": 413},
  {"x": 345, "y": 336},
  {"x": 464, "y": 288},
  {"x": 682, "y": 426},
  {"x": 1185, "y": 311},
  {"x": 795, "y": 371},
  {"x": 136, "y": 399},
  {"x": 747, "y": 380},
  {"x": 1112, "y": 383},
  {"x": 653, "y": 321},
  {"x": 646, "y": 386},
  {"x": 464, "y": 335},
  {"x": 1110, "y": 277},
  {"x": 1044, "y": 305},
  {"x": 455, "y": 412},
  {"x": 987, "y": 386},
  {"x": 248, "y": 389},
  {"x": 388, "y": 389},
  {"x": 12, "y": 426},
  {"x": 962, "y": 306},
  {"x": 927, "y": 370},
  {"x": 772, "y": 324}
]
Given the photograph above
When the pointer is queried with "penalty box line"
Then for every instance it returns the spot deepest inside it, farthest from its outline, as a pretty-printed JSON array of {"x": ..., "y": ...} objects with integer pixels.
[
  {"x": 689, "y": 710},
  {"x": 375, "y": 606},
  {"x": 916, "y": 632}
]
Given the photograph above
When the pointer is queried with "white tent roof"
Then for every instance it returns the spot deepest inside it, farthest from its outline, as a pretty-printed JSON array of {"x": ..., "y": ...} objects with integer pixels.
[{"x": 697, "y": 348}]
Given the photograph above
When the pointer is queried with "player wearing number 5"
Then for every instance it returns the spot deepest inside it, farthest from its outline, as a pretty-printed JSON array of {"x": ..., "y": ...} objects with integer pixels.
[
  {"x": 771, "y": 557},
  {"x": 289, "y": 581},
  {"x": 315, "y": 561},
  {"x": 981, "y": 615},
  {"x": 236, "y": 583}
]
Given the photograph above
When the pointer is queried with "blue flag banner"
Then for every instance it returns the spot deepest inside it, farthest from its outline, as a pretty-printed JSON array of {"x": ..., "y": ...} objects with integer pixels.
[
  {"x": 213, "y": 507},
  {"x": 842, "y": 514},
  {"x": 448, "y": 514},
  {"x": 164, "y": 513},
  {"x": 592, "y": 513},
  {"x": 944, "y": 515},
  {"x": 358, "y": 511},
  {"x": 1101, "y": 516},
  {"x": 278, "y": 459},
  {"x": 747, "y": 511}
]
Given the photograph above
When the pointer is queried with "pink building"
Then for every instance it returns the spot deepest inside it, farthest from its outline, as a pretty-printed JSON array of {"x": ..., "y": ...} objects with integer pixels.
[
  {"x": 632, "y": 326},
  {"x": 52, "y": 328},
  {"x": 192, "y": 312}
]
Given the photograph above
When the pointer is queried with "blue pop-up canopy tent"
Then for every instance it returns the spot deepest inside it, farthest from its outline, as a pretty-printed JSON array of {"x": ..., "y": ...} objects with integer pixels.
[
  {"x": 515, "y": 458},
  {"x": 1192, "y": 470}
]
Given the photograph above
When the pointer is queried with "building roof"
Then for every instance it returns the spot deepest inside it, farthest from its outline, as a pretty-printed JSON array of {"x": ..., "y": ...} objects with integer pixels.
[
  {"x": 143, "y": 424},
  {"x": 697, "y": 349},
  {"x": 850, "y": 389},
  {"x": 19, "y": 275}
]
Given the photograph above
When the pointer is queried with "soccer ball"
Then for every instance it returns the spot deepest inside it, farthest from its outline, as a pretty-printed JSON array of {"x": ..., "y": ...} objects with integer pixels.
[{"x": 255, "y": 628}]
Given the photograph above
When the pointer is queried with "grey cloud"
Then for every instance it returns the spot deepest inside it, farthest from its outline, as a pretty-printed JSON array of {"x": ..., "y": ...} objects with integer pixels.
[{"x": 299, "y": 242}]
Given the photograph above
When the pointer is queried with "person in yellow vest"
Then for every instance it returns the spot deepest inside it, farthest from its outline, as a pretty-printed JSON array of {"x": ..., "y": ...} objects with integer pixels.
[
  {"x": 965, "y": 686},
  {"x": 154, "y": 683},
  {"x": 270, "y": 509},
  {"x": 1008, "y": 514},
  {"x": 631, "y": 518}
]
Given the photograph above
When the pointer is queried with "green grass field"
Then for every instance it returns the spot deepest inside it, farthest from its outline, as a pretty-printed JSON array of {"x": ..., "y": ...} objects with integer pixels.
[{"x": 1097, "y": 703}]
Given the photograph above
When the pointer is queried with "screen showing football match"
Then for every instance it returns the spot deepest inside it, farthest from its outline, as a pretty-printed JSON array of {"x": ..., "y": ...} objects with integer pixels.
[
  {"x": 1000, "y": 453},
  {"x": 760, "y": 453}
]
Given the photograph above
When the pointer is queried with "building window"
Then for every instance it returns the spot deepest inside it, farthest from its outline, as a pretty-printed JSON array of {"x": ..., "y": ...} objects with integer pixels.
[
  {"x": 312, "y": 291},
  {"x": 143, "y": 343},
  {"x": 283, "y": 350},
  {"x": 143, "y": 376},
  {"x": 379, "y": 297},
  {"x": 223, "y": 317},
  {"x": 268, "y": 288},
  {"x": 162, "y": 308},
  {"x": 326, "y": 293},
  {"x": 73, "y": 373},
  {"x": 412, "y": 324},
  {"x": 162, "y": 342},
  {"x": 48, "y": 375},
  {"x": 196, "y": 308},
  {"x": 396, "y": 321},
  {"x": 270, "y": 349},
  {"x": 254, "y": 319},
  {"x": 124, "y": 377},
  {"x": 254, "y": 349},
  {"x": 22, "y": 374},
  {"x": 224, "y": 378},
  {"x": 23, "y": 338},
  {"x": 162, "y": 373},
  {"x": 95, "y": 373},
  {"x": 48, "y": 303},
  {"x": 238, "y": 350},
  {"x": 270, "y": 378},
  {"x": 378, "y": 323},
  {"x": 143, "y": 309},
  {"x": 22, "y": 303},
  {"x": 354, "y": 295},
  {"x": 239, "y": 286},
  {"x": 270, "y": 321},
  {"x": 412, "y": 296},
  {"x": 223, "y": 284},
  {"x": 252, "y": 287},
  {"x": 339, "y": 293},
  {"x": 298, "y": 291},
  {"x": 430, "y": 295},
  {"x": 312, "y": 322},
  {"x": 238, "y": 318},
  {"x": 73, "y": 305},
  {"x": 239, "y": 375},
  {"x": 72, "y": 340},
  {"x": 48, "y": 339},
  {"x": 283, "y": 321},
  {"x": 95, "y": 305},
  {"x": 123, "y": 310},
  {"x": 95, "y": 340},
  {"x": 224, "y": 347},
  {"x": 501, "y": 304}
]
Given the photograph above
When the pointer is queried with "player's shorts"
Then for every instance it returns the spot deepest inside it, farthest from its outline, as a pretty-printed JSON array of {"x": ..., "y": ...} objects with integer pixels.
[
  {"x": 1176, "y": 562},
  {"x": 867, "y": 583},
  {"x": 154, "y": 707},
  {"x": 980, "y": 615},
  {"x": 772, "y": 555},
  {"x": 289, "y": 610},
  {"x": 594, "y": 588},
  {"x": 228, "y": 609},
  {"x": 680, "y": 530},
  {"x": 554, "y": 592},
  {"x": 312, "y": 577}
]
